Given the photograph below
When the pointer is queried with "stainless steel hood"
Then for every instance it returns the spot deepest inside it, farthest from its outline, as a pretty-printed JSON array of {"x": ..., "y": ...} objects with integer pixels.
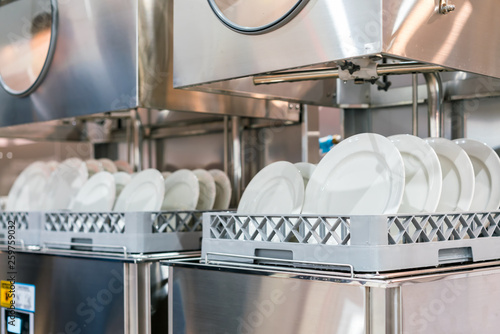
[
  {"x": 104, "y": 56},
  {"x": 216, "y": 40}
]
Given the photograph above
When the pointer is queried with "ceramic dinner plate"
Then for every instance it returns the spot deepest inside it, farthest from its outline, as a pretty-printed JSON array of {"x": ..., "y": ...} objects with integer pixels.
[
  {"x": 306, "y": 169},
  {"x": 123, "y": 166},
  {"x": 108, "y": 165},
  {"x": 181, "y": 191},
  {"x": 277, "y": 189},
  {"x": 486, "y": 165},
  {"x": 222, "y": 189},
  {"x": 143, "y": 193},
  {"x": 93, "y": 166},
  {"x": 207, "y": 190},
  {"x": 96, "y": 195},
  {"x": 423, "y": 179},
  {"x": 458, "y": 176},
  {"x": 27, "y": 192},
  {"x": 52, "y": 165},
  {"x": 64, "y": 183},
  {"x": 121, "y": 181},
  {"x": 362, "y": 175}
]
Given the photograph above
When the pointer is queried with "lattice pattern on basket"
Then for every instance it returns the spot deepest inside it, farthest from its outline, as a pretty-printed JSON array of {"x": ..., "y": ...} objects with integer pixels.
[
  {"x": 109, "y": 222},
  {"x": 178, "y": 221},
  {"x": 294, "y": 229},
  {"x": 20, "y": 219},
  {"x": 431, "y": 228}
]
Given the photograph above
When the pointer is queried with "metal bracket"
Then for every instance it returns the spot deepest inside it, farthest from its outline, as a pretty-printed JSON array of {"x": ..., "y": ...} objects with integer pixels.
[
  {"x": 445, "y": 8},
  {"x": 359, "y": 70}
]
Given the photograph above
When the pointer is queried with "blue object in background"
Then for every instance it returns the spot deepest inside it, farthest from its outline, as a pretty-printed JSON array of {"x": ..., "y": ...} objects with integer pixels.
[{"x": 326, "y": 144}]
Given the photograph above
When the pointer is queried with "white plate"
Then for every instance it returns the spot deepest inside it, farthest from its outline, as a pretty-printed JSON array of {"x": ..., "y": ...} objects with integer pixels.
[
  {"x": 486, "y": 166},
  {"x": 181, "y": 191},
  {"x": 121, "y": 180},
  {"x": 64, "y": 183},
  {"x": 52, "y": 165},
  {"x": 207, "y": 190},
  {"x": 27, "y": 191},
  {"x": 144, "y": 192},
  {"x": 96, "y": 195},
  {"x": 123, "y": 166},
  {"x": 363, "y": 175},
  {"x": 166, "y": 174},
  {"x": 223, "y": 189},
  {"x": 423, "y": 179},
  {"x": 277, "y": 189},
  {"x": 108, "y": 165},
  {"x": 458, "y": 175},
  {"x": 306, "y": 169},
  {"x": 3, "y": 202},
  {"x": 93, "y": 166}
]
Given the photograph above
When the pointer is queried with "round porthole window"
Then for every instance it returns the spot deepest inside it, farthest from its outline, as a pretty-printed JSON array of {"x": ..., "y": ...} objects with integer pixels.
[
  {"x": 255, "y": 16},
  {"x": 28, "y": 30}
]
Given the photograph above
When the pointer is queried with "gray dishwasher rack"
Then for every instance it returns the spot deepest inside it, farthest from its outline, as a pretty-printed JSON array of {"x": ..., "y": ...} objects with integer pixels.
[
  {"x": 362, "y": 243},
  {"x": 124, "y": 232}
]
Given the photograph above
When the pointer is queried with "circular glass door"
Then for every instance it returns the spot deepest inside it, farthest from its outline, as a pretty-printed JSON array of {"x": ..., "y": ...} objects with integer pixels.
[
  {"x": 255, "y": 16},
  {"x": 27, "y": 42}
]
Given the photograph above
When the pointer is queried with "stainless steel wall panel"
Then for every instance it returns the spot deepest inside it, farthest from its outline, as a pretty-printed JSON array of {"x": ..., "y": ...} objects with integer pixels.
[
  {"x": 93, "y": 68},
  {"x": 225, "y": 302},
  {"x": 206, "y": 50},
  {"x": 326, "y": 31},
  {"x": 156, "y": 73}
]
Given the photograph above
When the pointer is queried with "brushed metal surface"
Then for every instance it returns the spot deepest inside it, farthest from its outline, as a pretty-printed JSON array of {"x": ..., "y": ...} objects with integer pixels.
[
  {"x": 205, "y": 50},
  {"x": 228, "y": 298},
  {"x": 72, "y": 294},
  {"x": 255, "y": 16},
  {"x": 117, "y": 55},
  {"x": 155, "y": 87},
  {"x": 93, "y": 67},
  {"x": 456, "y": 305},
  {"x": 210, "y": 301}
]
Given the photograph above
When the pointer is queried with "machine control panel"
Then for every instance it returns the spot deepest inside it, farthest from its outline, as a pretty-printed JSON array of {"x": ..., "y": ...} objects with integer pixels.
[{"x": 17, "y": 322}]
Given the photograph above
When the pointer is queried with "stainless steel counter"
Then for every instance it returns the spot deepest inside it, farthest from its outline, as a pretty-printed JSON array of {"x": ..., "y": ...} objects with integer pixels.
[{"x": 229, "y": 298}]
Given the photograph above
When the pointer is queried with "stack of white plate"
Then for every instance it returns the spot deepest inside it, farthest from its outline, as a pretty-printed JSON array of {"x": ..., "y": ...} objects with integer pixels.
[
  {"x": 368, "y": 174},
  {"x": 196, "y": 190},
  {"x": 103, "y": 185}
]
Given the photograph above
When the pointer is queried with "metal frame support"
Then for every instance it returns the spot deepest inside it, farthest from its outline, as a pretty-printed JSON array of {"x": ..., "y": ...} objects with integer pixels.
[{"x": 237, "y": 158}]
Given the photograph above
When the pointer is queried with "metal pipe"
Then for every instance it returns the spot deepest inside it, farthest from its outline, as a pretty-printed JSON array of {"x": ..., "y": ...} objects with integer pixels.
[
  {"x": 237, "y": 157},
  {"x": 434, "y": 102},
  {"x": 305, "y": 134},
  {"x": 138, "y": 140},
  {"x": 414, "y": 118},
  {"x": 333, "y": 73},
  {"x": 226, "y": 145}
]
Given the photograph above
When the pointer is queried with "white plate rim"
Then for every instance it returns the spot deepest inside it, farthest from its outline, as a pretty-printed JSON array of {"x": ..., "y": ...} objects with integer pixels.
[
  {"x": 492, "y": 163},
  {"x": 38, "y": 167},
  {"x": 222, "y": 179},
  {"x": 349, "y": 146},
  {"x": 81, "y": 176},
  {"x": 183, "y": 176},
  {"x": 431, "y": 163},
  {"x": 207, "y": 180},
  {"x": 102, "y": 178},
  {"x": 272, "y": 170},
  {"x": 445, "y": 147},
  {"x": 147, "y": 175}
]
